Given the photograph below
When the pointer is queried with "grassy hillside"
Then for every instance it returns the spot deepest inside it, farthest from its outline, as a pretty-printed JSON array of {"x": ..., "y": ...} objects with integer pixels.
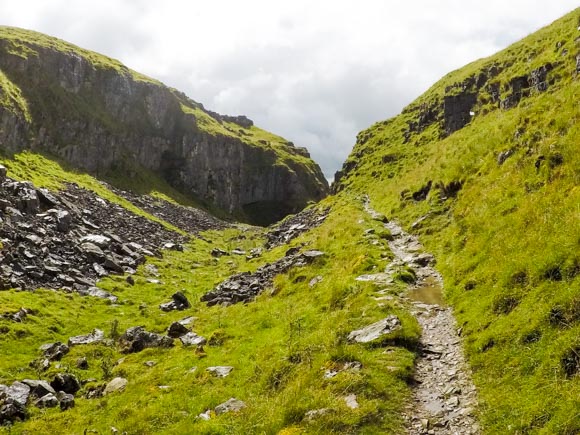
[
  {"x": 280, "y": 345},
  {"x": 497, "y": 202}
]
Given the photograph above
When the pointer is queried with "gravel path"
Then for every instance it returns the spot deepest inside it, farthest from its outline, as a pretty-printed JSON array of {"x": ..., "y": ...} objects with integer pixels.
[{"x": 444, "y": 397}]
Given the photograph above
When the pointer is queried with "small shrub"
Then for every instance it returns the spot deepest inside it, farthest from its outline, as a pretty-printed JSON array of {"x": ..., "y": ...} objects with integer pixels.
[
  {"x": 570, "y": 361},
  {"x": 532, "y": 337},
  {"x": 385, "y": 234},
  {"x": 218, "y": 338}
]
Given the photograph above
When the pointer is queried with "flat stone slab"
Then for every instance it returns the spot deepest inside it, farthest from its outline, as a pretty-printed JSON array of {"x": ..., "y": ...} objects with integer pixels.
[
  {"x": 375, "y": 277},
  {"x": 117, "y": 384},
  {"x": 192, "y": 339},
  {"x": 220, "y": 371},
  {"x": 95, "y": 336},
  {"x": 376, "y": 330},
  {"x": 232, "y": 405}
]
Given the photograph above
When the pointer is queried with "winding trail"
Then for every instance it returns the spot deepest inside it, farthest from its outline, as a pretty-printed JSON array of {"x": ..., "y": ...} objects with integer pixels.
[{"x": 444, "y": 397}]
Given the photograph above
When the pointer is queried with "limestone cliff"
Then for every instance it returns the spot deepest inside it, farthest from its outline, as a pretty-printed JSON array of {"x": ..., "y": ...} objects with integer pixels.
[{"x": 99, "y": 116}]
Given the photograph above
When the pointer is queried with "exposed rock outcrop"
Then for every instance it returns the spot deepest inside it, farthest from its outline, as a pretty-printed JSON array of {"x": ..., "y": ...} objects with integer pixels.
[{"x": 99, "y": 116}]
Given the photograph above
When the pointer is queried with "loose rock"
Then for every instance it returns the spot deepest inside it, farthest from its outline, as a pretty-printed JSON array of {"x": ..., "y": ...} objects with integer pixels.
[
  {"x": 67, "y": 401},
  {"x": 47, "y": 401},
  {"x": 376, "y": 330},
  {"x": 192, "y": 339},
  {"x": 117, "y": 384},
  {"x": 220, "y": 371},
  {"x": 66, "y": 382},
  {"x": 232, "y": 405},
  {"x": 96, "y": 336}
]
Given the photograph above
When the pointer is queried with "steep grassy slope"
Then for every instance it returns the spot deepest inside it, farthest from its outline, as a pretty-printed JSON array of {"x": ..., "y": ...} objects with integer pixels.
[
  {"x": 485, "y": 168},
  {"x": 99, "y": 116}
]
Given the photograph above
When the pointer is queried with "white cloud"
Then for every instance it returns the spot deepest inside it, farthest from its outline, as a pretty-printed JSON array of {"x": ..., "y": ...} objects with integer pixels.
[{"x": 314, "y": 72}]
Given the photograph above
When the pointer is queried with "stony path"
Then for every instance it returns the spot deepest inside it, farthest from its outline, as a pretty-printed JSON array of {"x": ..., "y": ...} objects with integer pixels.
[{"x": 444, "y": 397}]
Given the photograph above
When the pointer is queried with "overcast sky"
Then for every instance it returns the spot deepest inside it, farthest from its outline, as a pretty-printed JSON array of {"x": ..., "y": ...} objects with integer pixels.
[{"x": 315, "y": 72}]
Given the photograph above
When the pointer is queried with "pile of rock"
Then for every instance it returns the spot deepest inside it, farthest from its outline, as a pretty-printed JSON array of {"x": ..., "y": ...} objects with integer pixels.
[
  {"x": 188, "y": 219},
  {"x": 290, "y": 228},
  {"x": 71, "y": 239},
  {"x": 15, "y": 398},
  {"x": 245, "y": 286}
]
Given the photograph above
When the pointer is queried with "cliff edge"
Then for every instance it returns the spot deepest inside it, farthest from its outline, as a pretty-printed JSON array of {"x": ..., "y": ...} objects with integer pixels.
[{"x": 101, "y": 117}]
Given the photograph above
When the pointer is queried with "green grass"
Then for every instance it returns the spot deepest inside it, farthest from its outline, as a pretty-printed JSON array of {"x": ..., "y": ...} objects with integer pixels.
[
  {"x": 25, "y": 43},
  {"x": 508, "y": 244},
  {"x": 11, "y": 98},
  {"x": 279, "y": 345}
]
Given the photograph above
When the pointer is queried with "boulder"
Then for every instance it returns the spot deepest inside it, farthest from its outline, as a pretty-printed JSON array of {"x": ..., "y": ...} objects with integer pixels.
[
  {"x": 39, "y": 388},
  {"x": 63, "y": 220},
  {"x": 66, "y": 382},
  {"x": 376, "y": 330},
  {"x": 136, "y": 339},
  {"x": 116, "y": 384},
  {"x": 178, "y": 302},
  {"x": 93, "y": 252},
  {"x": 176, "y": 330},
  {"x": 17, "y": 393},
  {"x": 28, "y": 201},
  {"x": 11, "y": 412}
]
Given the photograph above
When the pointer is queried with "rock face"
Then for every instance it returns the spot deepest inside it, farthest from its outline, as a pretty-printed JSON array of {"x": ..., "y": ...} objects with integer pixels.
[{"x": 101, "y": 117}]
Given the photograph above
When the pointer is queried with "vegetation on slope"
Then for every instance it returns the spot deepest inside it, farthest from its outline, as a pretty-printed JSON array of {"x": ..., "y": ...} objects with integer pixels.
[
  {"x": 280, "y": 345},
  {"x": 497, "y": 202}
]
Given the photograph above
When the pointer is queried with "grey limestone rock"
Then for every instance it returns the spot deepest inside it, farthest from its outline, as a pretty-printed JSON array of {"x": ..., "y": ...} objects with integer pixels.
[
  {"x": 376, "y": 330},
  {"x": 232, "y": 405}
]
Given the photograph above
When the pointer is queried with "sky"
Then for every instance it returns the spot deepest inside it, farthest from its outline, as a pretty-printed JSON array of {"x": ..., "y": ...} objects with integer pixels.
[{"x": 314, "y": 72}]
